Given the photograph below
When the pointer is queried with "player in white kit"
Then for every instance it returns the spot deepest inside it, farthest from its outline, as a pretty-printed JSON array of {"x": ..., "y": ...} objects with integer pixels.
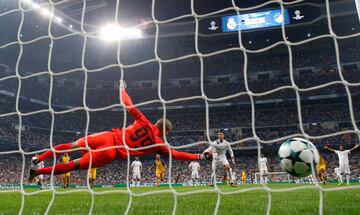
[
  {"x": 136, "y": 166},
  {"x": 343, "y": 161},
  {"x": 194, "y": 167},
  {"x": 263, "y": 169},
  {"x": 218, "y": 153},
  {"x": 39, "y": 165}
]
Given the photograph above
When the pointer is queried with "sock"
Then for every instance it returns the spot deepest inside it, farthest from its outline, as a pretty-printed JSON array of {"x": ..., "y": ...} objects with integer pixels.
[
  {"x": 347, "y": 179},
  {"x": 340, "y": 178},
  {"x": 50, "y": 154},
  {"x": 59, "y": 169},
  {"x": 212, "y": 179},
  {"x": 229, "y": 175},
  {"x": 266, "y": 180}
]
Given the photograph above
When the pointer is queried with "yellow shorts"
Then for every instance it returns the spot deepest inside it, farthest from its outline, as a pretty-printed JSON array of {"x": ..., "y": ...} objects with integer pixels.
[
  {"x": 243, "y": 179},
  {"x": 160, "y": 174}
]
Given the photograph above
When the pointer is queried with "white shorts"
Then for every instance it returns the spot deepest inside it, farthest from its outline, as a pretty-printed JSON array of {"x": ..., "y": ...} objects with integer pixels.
[
  {"x": 221, "y": 160},
  {"x": 41, "y": 177},
  {"x": 194, "y": 174},
  {"x": 136, "y": 175},
  {"x": 344, "y": 168},
  {"x": 264, "y": 171}
]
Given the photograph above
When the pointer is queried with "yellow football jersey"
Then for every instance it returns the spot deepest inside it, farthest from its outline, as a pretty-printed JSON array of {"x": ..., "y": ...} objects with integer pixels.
[
  {"x": 243, "y": 174},
  {"x": 65, "y": 159},
  {"x": 159, "y": 165},
  {"x": 322, "y": 164},
  {"x": 93, "y": 173}
]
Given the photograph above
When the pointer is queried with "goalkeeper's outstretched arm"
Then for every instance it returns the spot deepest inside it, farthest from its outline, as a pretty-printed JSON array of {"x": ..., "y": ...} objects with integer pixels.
[
  {"x": 184, "y": 156},
  {"x": 126, "y": 101}
]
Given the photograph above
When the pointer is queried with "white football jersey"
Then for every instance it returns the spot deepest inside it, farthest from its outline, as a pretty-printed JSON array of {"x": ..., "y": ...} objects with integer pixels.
[
  {"x": 343, "y": 156},
  {"x": 220, "y": 148},
  {"x": 194, "y": 166},
  {"x": 263, "y": 161},
  {"x": 136, "y": 165}
]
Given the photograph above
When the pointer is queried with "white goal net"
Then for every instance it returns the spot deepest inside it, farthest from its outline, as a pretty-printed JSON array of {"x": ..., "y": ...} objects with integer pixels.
[{"x": 59, "y": 29}]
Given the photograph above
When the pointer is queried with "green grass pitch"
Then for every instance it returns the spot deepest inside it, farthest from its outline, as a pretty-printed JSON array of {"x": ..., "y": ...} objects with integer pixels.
[{"x": 252, "y": 202}]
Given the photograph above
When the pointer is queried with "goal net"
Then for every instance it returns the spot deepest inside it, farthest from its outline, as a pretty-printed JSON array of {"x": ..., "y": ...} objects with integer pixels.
[{"x": 60, "y": 77}]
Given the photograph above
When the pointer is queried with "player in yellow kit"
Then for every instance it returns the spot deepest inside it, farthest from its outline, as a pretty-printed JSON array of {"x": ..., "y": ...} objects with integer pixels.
[
  {"x": 321, "y": 170},
  {"x": 92, "y": 177},
  {"x": 243, "y": 177},
  {"x": 160, "y": 169},
  {"x": 66, "y": 176}
]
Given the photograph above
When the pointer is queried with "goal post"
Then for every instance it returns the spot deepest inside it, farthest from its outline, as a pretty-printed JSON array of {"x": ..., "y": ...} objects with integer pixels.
[{"x": 357, "y": 2}]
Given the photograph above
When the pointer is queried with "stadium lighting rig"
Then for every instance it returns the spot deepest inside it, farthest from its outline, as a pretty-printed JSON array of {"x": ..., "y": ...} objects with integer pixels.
[
  {"x": 43, "y": 11},
  {"x": 113, "y": 32}
]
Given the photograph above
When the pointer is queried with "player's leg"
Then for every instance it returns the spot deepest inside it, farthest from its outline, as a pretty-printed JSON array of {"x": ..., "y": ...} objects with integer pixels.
[
  {"x": 63, "y": 180},
  {"x": 192, "y": 178},
  {"x": 139, "y": 179},
  {"x": 94, "y": 141},
  {"x": 136, "y": 181},
  {"x": 68, "y": 179},
  {"x": 91, "y": 182},
  {"x": 342, "y": 172},
  {"x": 212, "y": 177},
  {"x": 98, "y": 158},
  {"x": 158, "y": 175},
  {"x": 40, "y": 179},
  {"x": 261, "y": 175},
  {"x": 228, "y": 170},
  {"x": 266, "y": 176},
  {"x": 196, "y": 178},
  {"x": 347, "y": 173}
]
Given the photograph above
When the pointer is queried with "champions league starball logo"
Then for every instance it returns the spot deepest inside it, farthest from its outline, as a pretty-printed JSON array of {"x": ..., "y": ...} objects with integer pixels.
[
  {"x": 213, "y": 26},
  {"x": 298, "y": 15}
]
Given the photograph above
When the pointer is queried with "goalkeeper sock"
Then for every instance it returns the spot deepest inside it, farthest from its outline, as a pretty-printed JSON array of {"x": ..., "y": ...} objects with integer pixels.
[
  {"x": 50, "y": 154},
  {"x": 59, "y": 169}
]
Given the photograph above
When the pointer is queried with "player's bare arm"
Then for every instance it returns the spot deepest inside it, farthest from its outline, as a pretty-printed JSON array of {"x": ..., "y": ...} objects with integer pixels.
[
  {"x": 355, "y": 147},
  {"x": 328, "y": 148}
]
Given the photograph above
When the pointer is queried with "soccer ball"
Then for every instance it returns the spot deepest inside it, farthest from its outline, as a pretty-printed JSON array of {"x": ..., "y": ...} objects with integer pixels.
[{"x": 296, "y": 155}]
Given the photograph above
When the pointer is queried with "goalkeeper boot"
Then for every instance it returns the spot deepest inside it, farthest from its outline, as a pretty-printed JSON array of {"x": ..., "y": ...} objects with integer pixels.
[{"x": 32, "y": 175}]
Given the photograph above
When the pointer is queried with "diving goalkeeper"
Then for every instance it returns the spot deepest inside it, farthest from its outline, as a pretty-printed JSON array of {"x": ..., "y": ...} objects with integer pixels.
[{"x": 109, "y": 144}]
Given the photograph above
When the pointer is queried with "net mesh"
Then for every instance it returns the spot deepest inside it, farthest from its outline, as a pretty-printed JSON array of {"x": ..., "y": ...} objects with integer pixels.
[{"x": 198, "y": 54}]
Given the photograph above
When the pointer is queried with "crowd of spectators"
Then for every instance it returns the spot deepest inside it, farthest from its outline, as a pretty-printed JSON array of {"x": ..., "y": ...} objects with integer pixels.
[{"x": 116, "y": 173}]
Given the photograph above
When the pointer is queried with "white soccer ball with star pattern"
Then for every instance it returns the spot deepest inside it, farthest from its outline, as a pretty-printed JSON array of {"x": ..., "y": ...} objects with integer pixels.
[{"x": 296, "y": 156}]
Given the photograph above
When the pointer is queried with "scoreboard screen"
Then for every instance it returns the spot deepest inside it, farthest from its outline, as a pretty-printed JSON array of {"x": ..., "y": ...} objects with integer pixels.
[
  {"x": 264, "y": 19},
  {"x": 259, "y": 20}
]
